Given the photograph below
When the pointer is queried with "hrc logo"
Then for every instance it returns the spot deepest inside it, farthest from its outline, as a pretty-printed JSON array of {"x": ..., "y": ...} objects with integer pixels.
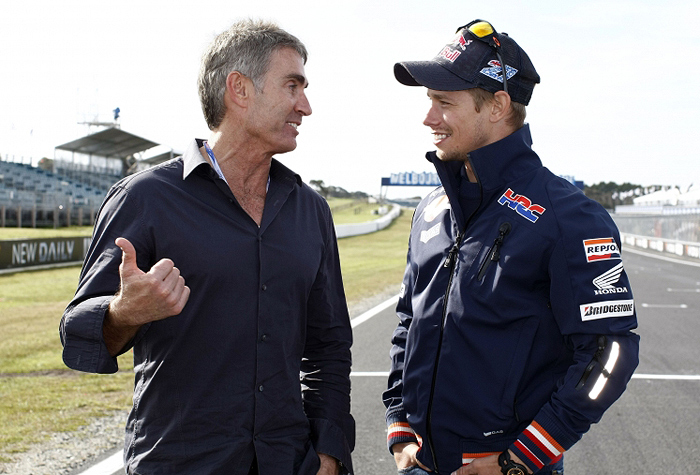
[{"x": 522, "y": 205}]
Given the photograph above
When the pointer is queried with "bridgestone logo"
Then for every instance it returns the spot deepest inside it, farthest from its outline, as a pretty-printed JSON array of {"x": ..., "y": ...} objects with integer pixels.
[{"x": 614, "y": 308}]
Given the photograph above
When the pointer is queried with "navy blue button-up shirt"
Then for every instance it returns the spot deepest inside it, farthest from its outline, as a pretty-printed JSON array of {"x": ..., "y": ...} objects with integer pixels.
[{"x": 258, "y": 362}]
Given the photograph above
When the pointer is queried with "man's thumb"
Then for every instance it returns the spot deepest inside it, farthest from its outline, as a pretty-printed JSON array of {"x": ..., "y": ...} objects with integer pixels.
[{"x": 128, "y": 253}]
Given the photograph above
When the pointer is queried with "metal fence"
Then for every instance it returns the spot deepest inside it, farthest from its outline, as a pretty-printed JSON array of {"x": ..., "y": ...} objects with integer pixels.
[
  {"x": 677, "y": 235},
  {"x": 39, "y": 216},
  {"x": 677, "y": 228}
]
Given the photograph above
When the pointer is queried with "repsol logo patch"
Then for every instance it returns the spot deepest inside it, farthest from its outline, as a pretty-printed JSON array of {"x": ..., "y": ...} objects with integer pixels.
[
  {"x": 609, "y": 309},
  {"x": 601, "y": 249}
]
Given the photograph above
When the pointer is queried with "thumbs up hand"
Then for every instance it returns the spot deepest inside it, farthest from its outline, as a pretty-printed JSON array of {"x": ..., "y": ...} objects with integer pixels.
[
  {"x": 147, "y": 296},
  {"x": 143, "y": 297}
]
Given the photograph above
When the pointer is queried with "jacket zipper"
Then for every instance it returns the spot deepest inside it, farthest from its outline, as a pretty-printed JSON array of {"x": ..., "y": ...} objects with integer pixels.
[
  {"x": 450, "y": 259},
  {"x": 450, "y": 263},
  {"x": 602, "y": 343},
  {"x": 495, "y": 252}
]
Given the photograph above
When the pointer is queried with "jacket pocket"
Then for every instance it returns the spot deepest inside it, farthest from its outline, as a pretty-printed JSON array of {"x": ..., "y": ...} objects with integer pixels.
[
  {"x": 494, "y": 253},
  {"x": 518, "y": 363}
]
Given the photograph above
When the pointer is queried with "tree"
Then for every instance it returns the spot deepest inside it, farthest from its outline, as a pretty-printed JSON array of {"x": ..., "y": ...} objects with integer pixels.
[
  {"x": 611, "y": 194},
  {"x": 319, "y": 186}
]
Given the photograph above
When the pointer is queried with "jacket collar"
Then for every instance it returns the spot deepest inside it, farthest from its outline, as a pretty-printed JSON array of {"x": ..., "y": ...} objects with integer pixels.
[{"x": 494, "y": 165}]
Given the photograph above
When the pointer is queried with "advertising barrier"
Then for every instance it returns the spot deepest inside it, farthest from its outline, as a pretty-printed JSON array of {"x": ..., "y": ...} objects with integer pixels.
[
  {"x": 667, "y": 246},
  {"x": 26, "y": 254},
  {"x": 30, "y": 254}
]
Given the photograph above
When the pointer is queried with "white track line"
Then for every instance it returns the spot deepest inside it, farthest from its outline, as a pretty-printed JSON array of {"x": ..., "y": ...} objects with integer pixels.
[
  {"x": 663, "y": 258},
  {"x": 374, "y": 311},
  {"x": 108, "y": 466},
  {"x": 677, "y": 377}
]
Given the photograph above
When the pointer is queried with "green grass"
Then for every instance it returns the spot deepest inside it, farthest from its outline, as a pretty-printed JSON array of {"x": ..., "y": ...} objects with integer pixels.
[
  {"x": 34, "y": 407},
  {"x": 336, "y": 202},
  {"x": 372, "y": 262},
  {"x": 32, "y": 233},
  {"x": 358, "y": 213},
  {"x": 30, "y": 305},
  {"x": 40, "y": 396}
]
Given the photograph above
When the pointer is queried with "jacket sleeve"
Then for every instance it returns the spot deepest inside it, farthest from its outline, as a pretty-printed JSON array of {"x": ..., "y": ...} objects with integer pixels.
[
  {"x": 327, "y": 360},
  {"x": 80, "y": 328},
  {"x": 398, "y": 429},
  {"x": 596, "y": 320}
]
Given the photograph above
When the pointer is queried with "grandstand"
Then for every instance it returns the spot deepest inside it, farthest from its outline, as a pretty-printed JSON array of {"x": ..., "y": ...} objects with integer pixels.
[{"x": 69, "y": 189}]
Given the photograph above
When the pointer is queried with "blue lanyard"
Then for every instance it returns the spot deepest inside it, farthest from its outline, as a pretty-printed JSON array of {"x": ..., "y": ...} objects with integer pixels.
[
  {"x": 214, "y": 163},
  {"x": 217, "y": 168}
]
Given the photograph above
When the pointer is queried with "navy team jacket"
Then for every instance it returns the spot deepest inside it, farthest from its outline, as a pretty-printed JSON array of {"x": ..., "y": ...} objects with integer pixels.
[{"x": 515, "y": 326}]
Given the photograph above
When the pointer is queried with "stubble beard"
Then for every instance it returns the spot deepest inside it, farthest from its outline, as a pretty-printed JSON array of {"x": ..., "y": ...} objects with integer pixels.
[{"x": 454, "y": 156}]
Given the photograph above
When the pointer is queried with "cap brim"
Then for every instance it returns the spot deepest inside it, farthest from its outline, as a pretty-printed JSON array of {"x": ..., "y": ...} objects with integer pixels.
[{"x": 429, "y": 74}]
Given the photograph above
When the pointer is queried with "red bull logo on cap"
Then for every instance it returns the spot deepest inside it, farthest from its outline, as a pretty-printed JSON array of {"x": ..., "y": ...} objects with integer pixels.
[
  {"x": 460, "y": 41},
  {"x": 449, "y": 54}
]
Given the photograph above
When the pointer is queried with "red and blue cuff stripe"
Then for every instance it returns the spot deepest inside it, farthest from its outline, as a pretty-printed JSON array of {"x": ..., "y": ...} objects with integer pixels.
[
  {"x": 536, "y": 447},
  {"x": 399, "y": 433}
]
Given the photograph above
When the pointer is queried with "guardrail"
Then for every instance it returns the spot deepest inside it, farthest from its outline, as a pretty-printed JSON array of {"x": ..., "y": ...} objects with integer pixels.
[
  {"x": 667, "y": 246},
  {"x": 357, "y": 229},
  {"x": 671, "y": 233},
  {"x": 677, "y": 227}
]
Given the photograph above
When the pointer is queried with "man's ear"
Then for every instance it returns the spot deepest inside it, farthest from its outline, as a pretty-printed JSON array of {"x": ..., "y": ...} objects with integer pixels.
[
  {"x": 500, "y": 107},
  {"x": 239, "y": 88}
]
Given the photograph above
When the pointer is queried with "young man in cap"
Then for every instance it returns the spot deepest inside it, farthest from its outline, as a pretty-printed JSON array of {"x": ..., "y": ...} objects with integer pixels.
[
  {"x": 515, "y": 311},
  {"x": 257, "y": 298}
]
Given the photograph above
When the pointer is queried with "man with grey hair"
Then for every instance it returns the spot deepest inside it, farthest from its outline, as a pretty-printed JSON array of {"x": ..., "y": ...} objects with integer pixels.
[{"x": 256, "y": 299}]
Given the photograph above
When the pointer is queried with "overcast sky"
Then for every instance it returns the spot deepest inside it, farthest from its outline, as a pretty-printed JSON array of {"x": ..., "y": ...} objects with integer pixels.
[{"x": 619, "y": 98}]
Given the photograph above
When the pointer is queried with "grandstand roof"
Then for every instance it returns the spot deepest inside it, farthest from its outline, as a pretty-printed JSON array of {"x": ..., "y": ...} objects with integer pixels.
[
  {"x": 160, "y": 158},
  {"x": 111, "y": 143}
]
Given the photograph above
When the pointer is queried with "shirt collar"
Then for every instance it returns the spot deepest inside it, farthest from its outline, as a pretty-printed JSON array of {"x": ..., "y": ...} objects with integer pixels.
[{"x": 193, "y": 159}]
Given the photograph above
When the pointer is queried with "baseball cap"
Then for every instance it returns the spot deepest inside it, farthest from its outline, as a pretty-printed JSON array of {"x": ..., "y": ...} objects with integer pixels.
[{"x": 473, "y": 59}]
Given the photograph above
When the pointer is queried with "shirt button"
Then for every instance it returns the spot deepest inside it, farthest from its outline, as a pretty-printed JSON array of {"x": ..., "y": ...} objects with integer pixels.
[
  {"x": 261, "y": 388},
  {"x": 264, "y": 287},
  {"x": 263, "y": 337}
]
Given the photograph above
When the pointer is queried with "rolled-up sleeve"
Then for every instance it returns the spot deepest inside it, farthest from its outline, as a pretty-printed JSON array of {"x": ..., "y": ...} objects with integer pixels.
[{"x": 80, "y": 329}]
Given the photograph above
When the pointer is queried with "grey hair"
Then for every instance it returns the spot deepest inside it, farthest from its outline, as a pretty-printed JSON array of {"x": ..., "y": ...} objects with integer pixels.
[{"x": 246, "y": 47}]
